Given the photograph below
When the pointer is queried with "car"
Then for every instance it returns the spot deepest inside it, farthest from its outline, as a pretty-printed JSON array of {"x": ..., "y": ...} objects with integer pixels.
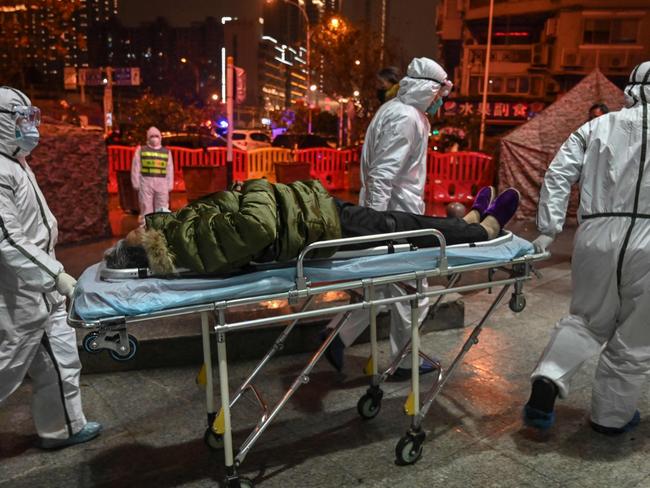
[
  {"x": 301, "y": 141},
  {"x": 191, "y": 140},
  {"x": 246, "y": 139}
]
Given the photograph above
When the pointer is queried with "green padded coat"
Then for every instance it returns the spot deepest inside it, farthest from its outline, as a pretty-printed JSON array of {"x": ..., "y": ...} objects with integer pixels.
[{"x": 227, "y": 230}]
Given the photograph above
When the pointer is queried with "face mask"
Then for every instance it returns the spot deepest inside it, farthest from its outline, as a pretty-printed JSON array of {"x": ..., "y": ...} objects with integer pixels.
[
  {"x": 435, "y": 106},
  {"x": 27, "y": 137}
]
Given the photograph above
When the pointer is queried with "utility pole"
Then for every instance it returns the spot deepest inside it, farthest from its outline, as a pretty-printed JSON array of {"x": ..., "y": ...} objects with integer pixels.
[
  {"x": 486, "y": 77},
  {"x": 230, "y": 62},
  {"x": 382, "y": 32},
  {"x": 108, "y": 101}
]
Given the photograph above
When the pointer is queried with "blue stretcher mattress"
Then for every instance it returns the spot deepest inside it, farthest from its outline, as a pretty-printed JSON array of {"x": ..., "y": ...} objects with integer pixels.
[{"x": 96, "y": 298}]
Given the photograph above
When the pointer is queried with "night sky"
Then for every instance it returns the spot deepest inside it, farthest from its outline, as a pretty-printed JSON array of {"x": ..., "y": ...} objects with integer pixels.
[{"x": 182, "y": 12}]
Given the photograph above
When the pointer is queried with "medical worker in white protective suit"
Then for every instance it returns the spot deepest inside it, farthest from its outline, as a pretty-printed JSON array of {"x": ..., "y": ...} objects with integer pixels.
[
  {"x": 393, "y": 174},
  {"x": 35, "y": 339},
  {"x": 152, "y": 174},
  {"x": 610, "y": 309}
]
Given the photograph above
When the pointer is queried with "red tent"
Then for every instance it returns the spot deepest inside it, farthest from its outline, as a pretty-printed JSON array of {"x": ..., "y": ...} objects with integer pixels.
[{"x": 526, "y": 152}]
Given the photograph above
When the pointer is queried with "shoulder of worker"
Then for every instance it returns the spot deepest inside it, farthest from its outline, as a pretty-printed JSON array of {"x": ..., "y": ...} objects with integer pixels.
[
  {"x": 9, "y": 168},
  {"x": 395, "y": 112}
]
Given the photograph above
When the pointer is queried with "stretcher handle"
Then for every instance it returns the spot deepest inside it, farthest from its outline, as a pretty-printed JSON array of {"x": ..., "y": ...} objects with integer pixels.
[{"x": 434, "y": 233}]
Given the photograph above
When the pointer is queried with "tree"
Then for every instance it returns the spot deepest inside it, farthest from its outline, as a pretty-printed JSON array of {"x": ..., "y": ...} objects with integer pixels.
[
  {"x": 166, "y": 113},
  {"x": 346, "y": 55},
  {"x": 42, "y": 29}
]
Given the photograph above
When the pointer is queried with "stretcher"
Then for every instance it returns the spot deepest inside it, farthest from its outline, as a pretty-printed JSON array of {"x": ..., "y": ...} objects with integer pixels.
[{"x": 108, "y": 302}]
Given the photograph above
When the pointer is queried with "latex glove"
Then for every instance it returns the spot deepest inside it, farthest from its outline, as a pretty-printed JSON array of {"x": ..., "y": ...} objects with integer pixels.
[
  {"x": 65, "y": 284},
  {"x": 542, "y": 242}
]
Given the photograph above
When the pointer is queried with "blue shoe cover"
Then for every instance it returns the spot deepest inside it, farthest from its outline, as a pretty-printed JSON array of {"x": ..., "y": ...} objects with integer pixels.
[
  {"x": 601, "y": 429},
  {"x": 405, "y": 373},
  {"x": 88, "y": 432},
  {"x": 538, "y": 419}
]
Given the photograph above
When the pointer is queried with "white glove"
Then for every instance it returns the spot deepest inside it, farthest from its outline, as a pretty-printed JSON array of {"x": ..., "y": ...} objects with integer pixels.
[
  {"x": 65, "y": 284},
  {"x": 542, "y": 242}
]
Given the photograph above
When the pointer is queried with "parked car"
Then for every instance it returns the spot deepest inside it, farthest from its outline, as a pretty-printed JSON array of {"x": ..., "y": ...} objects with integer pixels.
[
  {"x": 250, "y": 139},
  {"x": 303, "y": 141},
  {"x": 192, "y": 140}
]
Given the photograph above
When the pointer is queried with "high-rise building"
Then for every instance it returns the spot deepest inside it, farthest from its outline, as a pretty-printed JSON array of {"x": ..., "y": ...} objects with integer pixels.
[
  {"x": 540, "y": 49},
  {"x": 41, "y": 41}
]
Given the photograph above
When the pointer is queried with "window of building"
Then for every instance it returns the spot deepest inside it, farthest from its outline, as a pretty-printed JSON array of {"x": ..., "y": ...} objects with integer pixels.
[
  {"x": 610, "y": 31},
  {"x": 510, "y": 85}
]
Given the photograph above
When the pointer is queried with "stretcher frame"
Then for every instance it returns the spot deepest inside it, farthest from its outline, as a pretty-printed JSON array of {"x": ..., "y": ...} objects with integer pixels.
[{"x": 112, "y": 333}]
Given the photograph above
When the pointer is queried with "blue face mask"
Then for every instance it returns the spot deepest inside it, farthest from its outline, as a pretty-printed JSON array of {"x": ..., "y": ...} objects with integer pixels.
[{"x": 435, "y": 106}]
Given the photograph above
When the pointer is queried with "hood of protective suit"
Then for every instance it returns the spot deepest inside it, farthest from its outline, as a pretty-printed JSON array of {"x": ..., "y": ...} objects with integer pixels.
[
  {"x": 638, "y": 88},
  {"x": 415, "y": 89},
  {"x": 8, "y": 98},
  {"x": 153, "y": 131}
]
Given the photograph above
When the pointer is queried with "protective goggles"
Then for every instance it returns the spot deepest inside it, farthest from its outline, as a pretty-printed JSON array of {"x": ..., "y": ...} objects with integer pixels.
[
  {"x": 29, "y": 114},
  {"x": 445, "y": 85}
]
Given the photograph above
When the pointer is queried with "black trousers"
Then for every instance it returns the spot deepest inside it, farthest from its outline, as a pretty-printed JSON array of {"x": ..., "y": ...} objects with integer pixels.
[{"x": 361, "y": 221}]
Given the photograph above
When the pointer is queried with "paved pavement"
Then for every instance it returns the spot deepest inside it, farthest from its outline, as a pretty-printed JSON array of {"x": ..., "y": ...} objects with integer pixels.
[{"x": 154, "y": 419}]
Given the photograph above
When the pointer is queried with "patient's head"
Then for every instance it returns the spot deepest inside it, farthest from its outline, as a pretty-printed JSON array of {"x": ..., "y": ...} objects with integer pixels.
[
  {"x": 124, "y": 255},
  {"x": 142, "y": 249}
]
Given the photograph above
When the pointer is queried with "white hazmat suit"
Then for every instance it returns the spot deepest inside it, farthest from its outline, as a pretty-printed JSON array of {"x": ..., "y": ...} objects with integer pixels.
[
  {"x": 35, "y": 339},
  {"x": 393, "y": 176},
  {"x": 610, "y": 306}
]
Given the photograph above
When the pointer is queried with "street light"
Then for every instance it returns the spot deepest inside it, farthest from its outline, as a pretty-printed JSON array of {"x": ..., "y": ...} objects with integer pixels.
[{"x": 196, "y": 73}]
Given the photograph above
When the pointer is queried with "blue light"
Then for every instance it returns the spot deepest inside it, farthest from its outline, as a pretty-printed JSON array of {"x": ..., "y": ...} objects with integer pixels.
[{"x": 223, "y": 123}]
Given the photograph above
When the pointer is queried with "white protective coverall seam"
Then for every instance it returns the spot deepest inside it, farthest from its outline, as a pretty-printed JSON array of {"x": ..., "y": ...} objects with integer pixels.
[{"x": 45, "y": 340}]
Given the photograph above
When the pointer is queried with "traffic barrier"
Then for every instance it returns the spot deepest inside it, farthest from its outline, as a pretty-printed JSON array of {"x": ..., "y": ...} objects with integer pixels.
[
  {"x": 456, "y": 177},
  {"x": 328, "y": 165},
  {"x": 451, "y": 177},
  {"x": 260, "y": 162},
  {"x": 119, "y": 159}
]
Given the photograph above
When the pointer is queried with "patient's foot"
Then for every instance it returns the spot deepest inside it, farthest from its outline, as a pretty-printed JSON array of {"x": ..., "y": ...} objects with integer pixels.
[
  {"x": 500, "y": 211},
  {"x": 482, "y": 201}
]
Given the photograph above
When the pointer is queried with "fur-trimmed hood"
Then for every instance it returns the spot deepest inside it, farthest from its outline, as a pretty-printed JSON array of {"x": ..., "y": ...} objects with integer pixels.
[{"x": 161, "y": 259}]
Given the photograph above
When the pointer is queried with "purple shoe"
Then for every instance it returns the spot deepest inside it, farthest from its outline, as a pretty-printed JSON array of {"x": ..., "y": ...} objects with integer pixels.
[
  {"x": 483, "y": 199},
  {"x": 504, "y": 206}
]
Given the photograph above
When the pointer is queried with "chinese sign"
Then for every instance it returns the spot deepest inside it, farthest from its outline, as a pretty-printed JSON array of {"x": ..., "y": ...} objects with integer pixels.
[
  {"x": 126, "y": 76},
  {"x": 493, "y": 110}
]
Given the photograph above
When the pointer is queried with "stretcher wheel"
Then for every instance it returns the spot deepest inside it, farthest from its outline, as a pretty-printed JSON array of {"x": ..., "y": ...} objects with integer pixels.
[
  {"x": 409, "y": 449},
  {"x": 213, "y": 440},
  {"x": 517, "y": 303},
  {"x": 130, "y": 354},
  {"x": 369, "y": 406},
  {"x": 89, "y": 344}
]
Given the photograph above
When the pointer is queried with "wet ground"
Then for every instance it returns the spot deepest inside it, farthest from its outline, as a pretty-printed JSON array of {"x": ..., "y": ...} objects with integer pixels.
[{"x": 154, "y": 419}]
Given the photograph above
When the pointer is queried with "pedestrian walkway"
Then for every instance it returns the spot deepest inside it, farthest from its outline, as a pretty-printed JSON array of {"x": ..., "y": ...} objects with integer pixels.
[{"x": 154, "y": 421}]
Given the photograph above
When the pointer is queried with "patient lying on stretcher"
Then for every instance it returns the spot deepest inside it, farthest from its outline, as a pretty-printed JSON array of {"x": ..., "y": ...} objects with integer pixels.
[{"x": 264, "y": 222}]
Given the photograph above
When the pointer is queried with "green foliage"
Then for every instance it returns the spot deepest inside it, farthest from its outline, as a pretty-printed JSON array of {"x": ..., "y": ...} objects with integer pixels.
[
  {"x": 337, "y": 50},
  {"x": 166, "y": 113}
]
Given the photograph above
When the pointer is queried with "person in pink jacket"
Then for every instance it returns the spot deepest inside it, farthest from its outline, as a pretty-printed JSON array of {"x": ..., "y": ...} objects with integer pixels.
[{"x": 152, "y": 174}]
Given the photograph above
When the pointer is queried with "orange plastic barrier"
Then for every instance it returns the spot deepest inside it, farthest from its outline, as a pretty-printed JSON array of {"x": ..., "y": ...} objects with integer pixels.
[
  {"x": 456, "y": 177},
  {"x": 451, "y": 177},
  {"x": 119, "y": 159},
  {"x": 328, "y": 165}
]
